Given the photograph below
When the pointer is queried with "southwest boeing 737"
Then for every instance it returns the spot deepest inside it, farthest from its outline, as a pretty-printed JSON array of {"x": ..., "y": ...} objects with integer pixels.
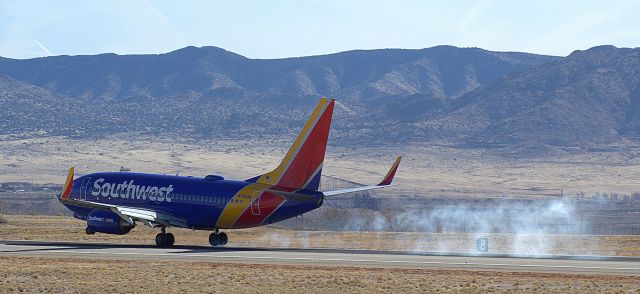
[{"x": 114, "y": 202}]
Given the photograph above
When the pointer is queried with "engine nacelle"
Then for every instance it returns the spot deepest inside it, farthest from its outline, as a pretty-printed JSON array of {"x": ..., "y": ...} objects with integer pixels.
[{"x": 107, "y": 222}]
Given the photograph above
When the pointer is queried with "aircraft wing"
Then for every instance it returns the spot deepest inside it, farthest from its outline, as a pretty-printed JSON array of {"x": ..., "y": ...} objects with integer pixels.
[
  {"x": 386, "y": 182},
  {"x": 150, "y": 217}
]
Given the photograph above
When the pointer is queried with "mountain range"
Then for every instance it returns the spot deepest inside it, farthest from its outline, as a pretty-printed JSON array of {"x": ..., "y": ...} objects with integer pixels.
[{"x": 467, "y": 97}]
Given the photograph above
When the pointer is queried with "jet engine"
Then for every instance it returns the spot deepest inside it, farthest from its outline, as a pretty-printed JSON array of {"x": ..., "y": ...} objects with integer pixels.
[{"x": 107, "y": 222}]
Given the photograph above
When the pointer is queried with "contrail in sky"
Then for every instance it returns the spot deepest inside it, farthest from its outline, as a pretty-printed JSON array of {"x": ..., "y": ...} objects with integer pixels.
[{"x": 46, "y": 51}]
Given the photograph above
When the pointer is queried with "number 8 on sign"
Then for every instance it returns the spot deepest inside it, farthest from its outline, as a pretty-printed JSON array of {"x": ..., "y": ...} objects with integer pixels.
[{"x": 482, "y": 244}]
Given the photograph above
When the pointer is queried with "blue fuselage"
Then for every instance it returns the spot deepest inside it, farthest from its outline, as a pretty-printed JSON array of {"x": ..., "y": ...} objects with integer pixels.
[{"x": 204, "y": 203}]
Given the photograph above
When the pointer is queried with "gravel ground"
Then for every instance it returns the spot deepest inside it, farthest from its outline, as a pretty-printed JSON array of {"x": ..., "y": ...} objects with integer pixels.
[{"x": 44, "y": 275}]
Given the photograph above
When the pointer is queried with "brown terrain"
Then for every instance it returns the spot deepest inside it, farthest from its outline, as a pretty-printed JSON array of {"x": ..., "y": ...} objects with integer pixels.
[
  {"x": 44, "y": 275},
  {"x": 425, "y": 170},
  {"x": 31, "y": 274}
]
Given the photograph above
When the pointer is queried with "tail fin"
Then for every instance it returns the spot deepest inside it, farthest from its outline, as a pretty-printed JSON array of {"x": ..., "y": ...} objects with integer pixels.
[{"x": 302, "y": 166}]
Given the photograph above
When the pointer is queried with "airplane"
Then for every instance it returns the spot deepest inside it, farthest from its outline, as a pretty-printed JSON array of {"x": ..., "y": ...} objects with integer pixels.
[{"x": 114, "y": 202}]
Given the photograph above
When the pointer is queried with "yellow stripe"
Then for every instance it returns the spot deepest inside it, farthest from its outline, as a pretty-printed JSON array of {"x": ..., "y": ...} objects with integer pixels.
[
  {"x": 272, "y": 176},
  {"x": 238, "y": 205}
]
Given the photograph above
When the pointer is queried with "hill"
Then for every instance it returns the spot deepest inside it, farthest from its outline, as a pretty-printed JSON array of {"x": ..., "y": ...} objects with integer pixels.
[
  {"x": 591, "y": 97},
  {"x": 466, "y": 97},
  {"x": 210, "y": 92}
]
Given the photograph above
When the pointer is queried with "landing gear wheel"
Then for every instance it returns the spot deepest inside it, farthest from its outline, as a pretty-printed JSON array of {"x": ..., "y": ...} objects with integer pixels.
[
  {"x": 160, "y": 240},
  {"x": 169, "y": 239},
  {"x": 218, "y": 239},
  {"x": 89, "y": 231},
  {"x": 165, "y": 240},
  {"x": 214, "y": 239},
  {"x": 222, "y": 238}
]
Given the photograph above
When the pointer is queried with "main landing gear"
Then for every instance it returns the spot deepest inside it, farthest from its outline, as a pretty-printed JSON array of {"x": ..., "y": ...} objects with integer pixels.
[
  {"x": 164, "y": 239},
  {"x": 218, "y": 239}
]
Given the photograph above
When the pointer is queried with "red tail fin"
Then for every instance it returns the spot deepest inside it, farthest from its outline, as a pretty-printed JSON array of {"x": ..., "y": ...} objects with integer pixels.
[{"x": 302, "y": 165}]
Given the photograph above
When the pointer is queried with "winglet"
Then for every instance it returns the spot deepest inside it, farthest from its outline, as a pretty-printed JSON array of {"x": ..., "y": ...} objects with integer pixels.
[
  {"x": 68, "y": 186},
  {"x": 392, "y": 172}
]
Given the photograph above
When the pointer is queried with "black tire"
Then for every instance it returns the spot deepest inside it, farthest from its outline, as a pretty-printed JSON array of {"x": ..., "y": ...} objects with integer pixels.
[
  {"x": 161, "y": 240},
  {"x": 214, "y": 239},
  {"x": 89, "y": 231},
  {"x": 223, "y": 238},
  {"x": 169, "y": 240}
]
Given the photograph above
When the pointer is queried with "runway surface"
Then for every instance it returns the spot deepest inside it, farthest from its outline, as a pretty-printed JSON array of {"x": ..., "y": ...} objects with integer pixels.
[{"x": 329, "y": 257}]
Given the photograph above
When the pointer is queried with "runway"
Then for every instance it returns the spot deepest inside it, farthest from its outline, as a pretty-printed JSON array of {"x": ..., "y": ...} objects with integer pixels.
[{"x": 328, "y": 257}]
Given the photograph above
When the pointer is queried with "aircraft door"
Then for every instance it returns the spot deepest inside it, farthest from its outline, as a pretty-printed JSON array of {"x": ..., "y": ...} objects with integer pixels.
[
  {"x": 255, "y": 205},
  {"x": 83, "y": 187}
]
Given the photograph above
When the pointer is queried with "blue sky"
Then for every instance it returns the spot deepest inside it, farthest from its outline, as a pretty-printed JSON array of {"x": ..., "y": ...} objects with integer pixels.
[{"x": 273, "y": 29}]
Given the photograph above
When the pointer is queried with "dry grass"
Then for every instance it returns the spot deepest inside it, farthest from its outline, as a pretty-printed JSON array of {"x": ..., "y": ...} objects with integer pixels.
[
  {"x": 424, "y": 167},
  {"x": 43, "y": 275},
  {"x": 69, "y": 229}
]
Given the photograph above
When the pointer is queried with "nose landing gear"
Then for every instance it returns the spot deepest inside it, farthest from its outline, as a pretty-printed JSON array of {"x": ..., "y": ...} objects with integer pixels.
[
  {"x": 218, "y": 239},
  {"x": 164, "y": 239}
]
